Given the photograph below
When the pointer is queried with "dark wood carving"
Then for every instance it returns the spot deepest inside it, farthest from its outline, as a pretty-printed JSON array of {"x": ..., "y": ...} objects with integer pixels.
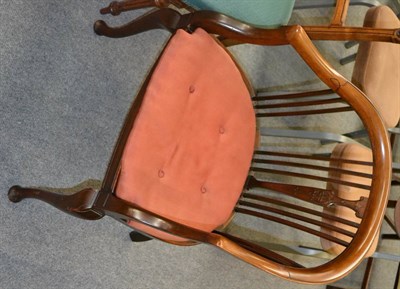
[{"x": 324, "y": 198}]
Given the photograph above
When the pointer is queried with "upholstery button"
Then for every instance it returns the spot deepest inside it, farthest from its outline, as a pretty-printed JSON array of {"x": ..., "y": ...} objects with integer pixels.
[
  {"x": 221, "y": 130},
  {"x": 203, "y": 189},
  {"x": 192, "y": 88},
  {"x": 161, "y": 173}
]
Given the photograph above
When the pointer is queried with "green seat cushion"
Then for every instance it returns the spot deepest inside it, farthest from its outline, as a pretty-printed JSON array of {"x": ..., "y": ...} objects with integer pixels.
[{"x": 263, "y": 13}]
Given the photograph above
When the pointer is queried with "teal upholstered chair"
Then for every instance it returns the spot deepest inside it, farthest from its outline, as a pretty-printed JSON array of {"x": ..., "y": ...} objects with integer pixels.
[{"x": 262, "y": 13}]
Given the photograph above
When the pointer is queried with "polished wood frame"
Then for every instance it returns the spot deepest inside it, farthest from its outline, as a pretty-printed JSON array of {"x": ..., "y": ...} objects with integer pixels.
[
  {"x": 90, "y": 204},
  {"x": 335, "y": 30}
]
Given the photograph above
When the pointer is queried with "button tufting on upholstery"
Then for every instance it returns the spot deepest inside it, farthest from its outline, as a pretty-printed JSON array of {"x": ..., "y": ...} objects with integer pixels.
[
  {"x": 161, "y": 173},
  {"x": 192, "y": 88},
  {"x": 203, "y": 189},
  {"x": 221, "y": 130}
]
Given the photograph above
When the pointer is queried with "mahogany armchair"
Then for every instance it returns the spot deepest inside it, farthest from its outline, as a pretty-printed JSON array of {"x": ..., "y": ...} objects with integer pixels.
[{"x": 185, "y": 169}]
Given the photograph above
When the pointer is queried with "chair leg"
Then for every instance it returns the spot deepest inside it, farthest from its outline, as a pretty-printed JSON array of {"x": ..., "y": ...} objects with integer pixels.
[
  {"x": 139, "y": 237},
  {"x": 78, "y": 204},
  {"x": 348, "y": 59},
  {"x": 396, "y": 281},
  {"x": 396, "y": 167},
  {"x": 350, "y": 135},
  {"x": 367, "y": 273},
  {"x": 350, "y": 44}
]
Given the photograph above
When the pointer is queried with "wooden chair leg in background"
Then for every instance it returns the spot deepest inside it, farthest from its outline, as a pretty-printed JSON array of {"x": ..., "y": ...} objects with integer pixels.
[
  {"x": 367, "y": 273},
  {"x": 396, "y": 284},
  {"x": 138, "y": 237}
]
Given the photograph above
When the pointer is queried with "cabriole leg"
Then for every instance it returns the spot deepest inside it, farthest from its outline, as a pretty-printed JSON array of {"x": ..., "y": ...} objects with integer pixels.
[{"x": 78, "y": 204}]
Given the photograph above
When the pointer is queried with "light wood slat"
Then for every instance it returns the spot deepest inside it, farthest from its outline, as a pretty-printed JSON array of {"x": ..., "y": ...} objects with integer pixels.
[
  {"x": 304, "y": 112},
  {"x": 297, "y": 217},
  {"x": 312, "y": 167},
  {"x": 292, "y": 224},
  {"x": 311, "y": 177},
  {"x": 292, "y": 95},
  {"x": 300, "y": 208},
  {"x": 299, "y": 103},
  {"x": 311, "y": 157}
]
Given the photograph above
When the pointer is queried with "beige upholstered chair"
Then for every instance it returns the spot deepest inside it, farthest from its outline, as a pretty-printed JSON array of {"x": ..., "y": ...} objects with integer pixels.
[
  {"x": 347, "y": 151},
  {"x": 377, "y": 67},
  {"x": 376, "y": 72}
]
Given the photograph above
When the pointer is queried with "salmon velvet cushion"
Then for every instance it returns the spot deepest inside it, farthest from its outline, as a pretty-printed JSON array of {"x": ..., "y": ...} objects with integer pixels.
[
  {"x": 190, "y": 148},
  {"x": 347, "y": 151},
  {"x": 377, "y": 67}
]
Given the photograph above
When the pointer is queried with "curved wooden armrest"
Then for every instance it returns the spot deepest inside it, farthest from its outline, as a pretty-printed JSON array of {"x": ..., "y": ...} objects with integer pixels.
[
  {"x": 343, "y": 264},
  {"x": 122, "y": 210},
  {"x": 253, "y": 254},
  {"x": 259, "y": 257},
  {"x": 380, "y": 144}
]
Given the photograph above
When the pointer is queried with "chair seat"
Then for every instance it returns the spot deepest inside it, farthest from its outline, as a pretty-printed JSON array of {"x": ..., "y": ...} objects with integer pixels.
[
  {"x": 347, "y": 151},
  {"x": 377, "y": 67},
  {"x": 263, "y": 13},
  {"x": 190, "y": 148}
]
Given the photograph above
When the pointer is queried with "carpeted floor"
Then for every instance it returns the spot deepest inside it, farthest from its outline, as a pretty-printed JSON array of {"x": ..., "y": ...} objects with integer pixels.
[{"x": 64, "y": 93}]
